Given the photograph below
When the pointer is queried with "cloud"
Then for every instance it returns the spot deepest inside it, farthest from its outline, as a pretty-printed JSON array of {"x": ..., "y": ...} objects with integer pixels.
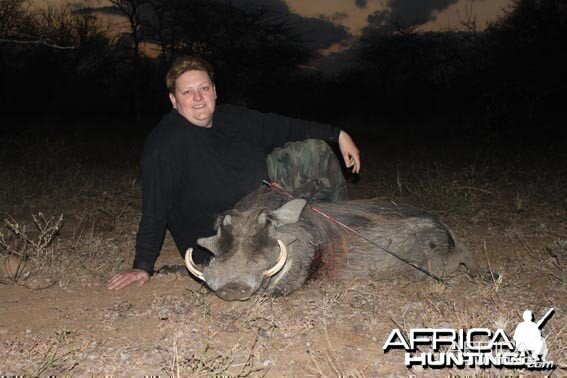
[
  {"x": 279, "y": 6},
  {"x": 381, "y": 19},
  {"x": 335, "y": 62},
  {"x": 335, "y": 17},
  {"x": 417, "y": 11},
  {"x": 407, "y": 12},
  {"x": 317, "y": 33}
]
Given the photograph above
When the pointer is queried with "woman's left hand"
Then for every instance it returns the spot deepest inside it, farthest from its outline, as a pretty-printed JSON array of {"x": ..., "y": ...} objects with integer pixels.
[{"x": 350, "y": 152}]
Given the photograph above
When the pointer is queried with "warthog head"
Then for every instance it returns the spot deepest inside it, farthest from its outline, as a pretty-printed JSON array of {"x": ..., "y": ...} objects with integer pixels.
[{"x": 250, "y": 249}]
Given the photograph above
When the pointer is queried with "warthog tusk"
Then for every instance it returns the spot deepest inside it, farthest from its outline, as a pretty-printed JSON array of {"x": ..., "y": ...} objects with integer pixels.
[
  {"x": 281, "y": 261},
  {"x": 191, "y": 265}
]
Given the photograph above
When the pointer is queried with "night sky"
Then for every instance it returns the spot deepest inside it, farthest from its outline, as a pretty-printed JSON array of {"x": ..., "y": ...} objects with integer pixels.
[
  {"x": 333, "y": 25},
  {"x": 351, "y": 16},
  {"x": 494, "y": 62},
  {"x": 444, "y": 13},
  {"x": 354, "y": 13}
]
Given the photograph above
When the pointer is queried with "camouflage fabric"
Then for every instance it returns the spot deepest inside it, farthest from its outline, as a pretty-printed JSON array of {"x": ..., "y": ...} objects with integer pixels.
[{"x": 308, "y": 169}]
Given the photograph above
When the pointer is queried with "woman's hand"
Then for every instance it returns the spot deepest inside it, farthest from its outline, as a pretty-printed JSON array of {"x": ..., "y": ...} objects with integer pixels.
[
  {"x": 350, "y": 152},
  {"x": 128, "y": 277}
]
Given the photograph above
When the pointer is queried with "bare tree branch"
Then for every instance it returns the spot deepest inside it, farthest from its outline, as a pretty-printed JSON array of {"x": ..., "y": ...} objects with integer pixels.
[{"x": 38, "y": 42}]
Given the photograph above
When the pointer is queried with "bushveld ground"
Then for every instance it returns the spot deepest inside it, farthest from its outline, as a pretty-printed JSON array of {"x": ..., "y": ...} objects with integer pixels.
[{"x": 505, "y": 198}]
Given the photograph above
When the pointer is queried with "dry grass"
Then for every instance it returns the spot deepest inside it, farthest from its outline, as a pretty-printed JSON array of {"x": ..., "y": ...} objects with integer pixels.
[
  {"x": 509, "y": 208},
  {"x": 26, "y": 252}
]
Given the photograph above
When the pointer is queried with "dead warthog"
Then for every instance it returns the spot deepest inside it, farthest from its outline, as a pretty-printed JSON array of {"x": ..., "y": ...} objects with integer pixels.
[{"x": 270, "y": 243}]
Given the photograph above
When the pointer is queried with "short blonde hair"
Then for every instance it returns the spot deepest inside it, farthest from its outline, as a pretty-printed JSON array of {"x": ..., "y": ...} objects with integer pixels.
[{"x": 183, "y": 64}]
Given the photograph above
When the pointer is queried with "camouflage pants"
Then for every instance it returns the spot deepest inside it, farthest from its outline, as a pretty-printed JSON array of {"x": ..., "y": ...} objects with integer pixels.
[{"x": 308, "y": 169}]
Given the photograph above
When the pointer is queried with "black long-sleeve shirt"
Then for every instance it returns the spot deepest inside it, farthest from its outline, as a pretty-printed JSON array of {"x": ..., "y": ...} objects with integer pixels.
[{"x": 190, "y": 174}]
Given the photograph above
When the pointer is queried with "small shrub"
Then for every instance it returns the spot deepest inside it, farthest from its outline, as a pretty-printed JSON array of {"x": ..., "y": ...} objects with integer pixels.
[{"x": 25, "y": 250}]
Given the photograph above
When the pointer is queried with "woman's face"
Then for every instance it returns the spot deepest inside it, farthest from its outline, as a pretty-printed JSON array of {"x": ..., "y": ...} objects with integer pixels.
[{"x": 195, "y": 97}]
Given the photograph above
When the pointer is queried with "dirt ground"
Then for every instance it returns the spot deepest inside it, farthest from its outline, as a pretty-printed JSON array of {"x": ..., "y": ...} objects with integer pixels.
[{"x": 508, "y": 206}]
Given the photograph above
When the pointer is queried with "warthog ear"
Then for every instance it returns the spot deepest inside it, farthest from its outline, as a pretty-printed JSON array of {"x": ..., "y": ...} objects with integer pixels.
[
  {"x": 227, "y": 220},
  {"x": 262, "y": 218},
  {"x": 288, "y": 213},
  {"x": 210, "y": 243}
]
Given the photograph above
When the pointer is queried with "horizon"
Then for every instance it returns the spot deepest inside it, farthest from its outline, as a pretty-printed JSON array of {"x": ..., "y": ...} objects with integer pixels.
[
  {"x": 355, "y": 17},
  {"x": 332, "y": 27}
]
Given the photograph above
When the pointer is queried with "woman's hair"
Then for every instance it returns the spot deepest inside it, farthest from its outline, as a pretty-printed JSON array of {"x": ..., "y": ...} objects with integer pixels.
[{"x": 183, "y": 64}]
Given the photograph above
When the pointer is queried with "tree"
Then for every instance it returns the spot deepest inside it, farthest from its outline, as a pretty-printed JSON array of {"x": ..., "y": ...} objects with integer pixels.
[
  {"x": 248, "y": 45},
  {"x": 18, "y": 25},
  {"x": 133, "y": 11},
  {"x": 253, "y": 49},
  {"x": 163, "y": 30},
  {"x": 528, "y": 56}
]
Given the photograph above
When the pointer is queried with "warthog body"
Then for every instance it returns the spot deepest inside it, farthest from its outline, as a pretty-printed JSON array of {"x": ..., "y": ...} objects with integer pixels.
[{"x": 270, "y": 243}]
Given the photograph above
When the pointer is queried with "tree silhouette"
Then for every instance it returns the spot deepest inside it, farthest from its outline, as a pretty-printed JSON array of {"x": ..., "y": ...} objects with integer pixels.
[
  {"x": 252, "y": 48},
  {"x": 20, "y": 26},
  {"x": 248, "y": 45},
  {"x": 528, "y": 55},
  {"x": 512, "y": 72}
]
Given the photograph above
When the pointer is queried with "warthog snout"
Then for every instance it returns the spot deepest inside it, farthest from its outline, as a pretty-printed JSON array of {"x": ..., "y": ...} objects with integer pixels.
[{"x": 235, "y": 291}]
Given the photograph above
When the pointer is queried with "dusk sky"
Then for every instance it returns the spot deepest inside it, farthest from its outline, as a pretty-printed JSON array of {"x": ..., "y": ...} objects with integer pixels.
[
  {"x": 354, "y": 13},
  {"x": 331, "y": 26},
  {"x": 356, "y": 16}
]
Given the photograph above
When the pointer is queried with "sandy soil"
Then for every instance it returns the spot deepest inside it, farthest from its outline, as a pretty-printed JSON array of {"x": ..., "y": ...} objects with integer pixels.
[{"x": 174, "y": 326}]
